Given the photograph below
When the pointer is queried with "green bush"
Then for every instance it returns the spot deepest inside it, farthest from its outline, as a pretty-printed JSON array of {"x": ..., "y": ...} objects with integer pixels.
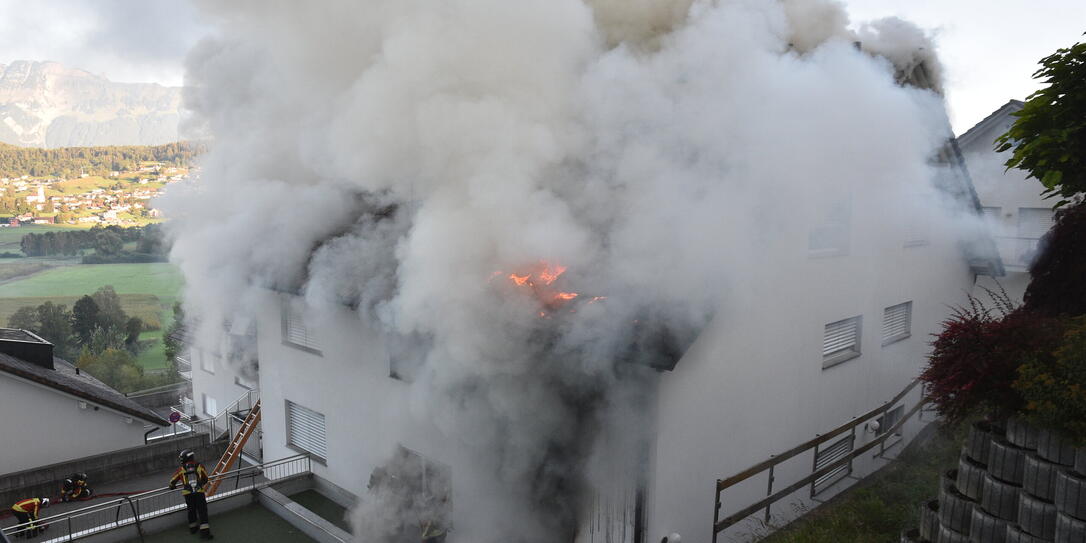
[{"x": 1054, "y": 388}]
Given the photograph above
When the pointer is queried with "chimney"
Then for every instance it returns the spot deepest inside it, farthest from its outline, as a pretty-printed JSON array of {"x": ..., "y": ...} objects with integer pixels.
[{"x": 26, "y": 346}]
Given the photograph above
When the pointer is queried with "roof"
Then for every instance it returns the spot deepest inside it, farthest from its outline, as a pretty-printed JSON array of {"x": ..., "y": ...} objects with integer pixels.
[
  {"x": 973, "y": 133},
  {"x": 65, "y": 379}
]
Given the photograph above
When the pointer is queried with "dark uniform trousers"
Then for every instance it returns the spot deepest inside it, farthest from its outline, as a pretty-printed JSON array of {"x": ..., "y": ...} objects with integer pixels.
[{"x": 196, "y": 503}]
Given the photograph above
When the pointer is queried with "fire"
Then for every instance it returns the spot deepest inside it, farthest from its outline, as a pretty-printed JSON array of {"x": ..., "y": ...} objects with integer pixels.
[{"x": 538, "y": 280}]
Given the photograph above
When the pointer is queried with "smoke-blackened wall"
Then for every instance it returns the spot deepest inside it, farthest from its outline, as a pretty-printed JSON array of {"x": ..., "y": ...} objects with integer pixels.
[{"x": 411, "y": 159}]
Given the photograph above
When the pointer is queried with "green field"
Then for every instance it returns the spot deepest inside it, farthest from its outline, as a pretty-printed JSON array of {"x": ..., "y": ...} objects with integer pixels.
[
  {"x": 160, "y": 279},
  {"x": 147, "y": 291}
]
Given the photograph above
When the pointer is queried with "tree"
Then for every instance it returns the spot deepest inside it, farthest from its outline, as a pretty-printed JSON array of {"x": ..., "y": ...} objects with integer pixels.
[
  {"x": 132, "y": 332},
  {"x": 114, "y": 367},
  {"x": 108, "y": 243},
  {"x": 24, "y": 318},
  {"x": 55, "y": 326},
  {"x": 84, "y": 319},
  {"x": 110, "y": 312},
  {"x": 1049, "y": 136}
]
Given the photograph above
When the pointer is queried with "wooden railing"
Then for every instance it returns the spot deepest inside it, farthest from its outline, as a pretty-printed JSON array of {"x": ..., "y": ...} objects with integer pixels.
[{"x": 771, "y": 463}]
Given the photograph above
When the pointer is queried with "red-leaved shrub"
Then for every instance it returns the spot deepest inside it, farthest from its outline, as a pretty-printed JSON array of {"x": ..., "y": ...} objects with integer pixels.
[{"x": 976, "y": 357}]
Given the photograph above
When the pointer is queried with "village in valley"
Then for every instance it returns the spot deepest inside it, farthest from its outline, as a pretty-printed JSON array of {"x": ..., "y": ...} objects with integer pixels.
[{"x": 124, "y": 198}]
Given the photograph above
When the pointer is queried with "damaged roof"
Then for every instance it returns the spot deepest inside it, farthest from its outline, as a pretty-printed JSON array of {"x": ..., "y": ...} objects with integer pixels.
[{"x": 65, "y": 379}]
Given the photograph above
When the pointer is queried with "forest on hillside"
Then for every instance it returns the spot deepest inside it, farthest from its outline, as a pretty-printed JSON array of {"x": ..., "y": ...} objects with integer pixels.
[{"x": 69, "y": 162}]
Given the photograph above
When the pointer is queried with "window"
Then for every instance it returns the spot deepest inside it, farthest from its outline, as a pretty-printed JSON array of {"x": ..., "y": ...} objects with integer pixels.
[
  {"x": 211, "y": 407},
  {"x": 917, "y": 224},
  {"x": 1034, "y": 222},
  {"x": 207, "y": 363},
  {"x": 992, "y": 217},
  {"x": 305, "y": 431},
  {"x": 295, "y": 332},
  {"x": 896, "y": 322},
  {"x": 841, "y": 342},
  {"x": 827, "y": 456},
  {"x": 830, "y": 236},
  {"x": 889, "y": 419}
]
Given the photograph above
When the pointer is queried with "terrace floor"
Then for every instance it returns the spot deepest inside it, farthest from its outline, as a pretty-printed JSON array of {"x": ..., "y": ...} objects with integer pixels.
[{"x": 247, "y": 523}]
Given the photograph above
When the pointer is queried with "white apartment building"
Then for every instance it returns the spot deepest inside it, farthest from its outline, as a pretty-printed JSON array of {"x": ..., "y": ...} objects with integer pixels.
[{"x": 1014, "y": 209}]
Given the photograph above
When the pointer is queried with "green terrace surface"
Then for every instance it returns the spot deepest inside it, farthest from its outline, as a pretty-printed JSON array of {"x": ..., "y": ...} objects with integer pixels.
[
  {"x": 883, "y": 505},
  {"x": 323, "y": 507}
]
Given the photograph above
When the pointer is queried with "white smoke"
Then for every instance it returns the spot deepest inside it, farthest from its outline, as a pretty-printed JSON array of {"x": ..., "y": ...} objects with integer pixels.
[{"x": 395, "y": 154}]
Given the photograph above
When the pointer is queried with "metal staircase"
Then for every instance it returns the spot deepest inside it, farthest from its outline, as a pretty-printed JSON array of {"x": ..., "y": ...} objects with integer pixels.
[{"x": 233, "y": 451}]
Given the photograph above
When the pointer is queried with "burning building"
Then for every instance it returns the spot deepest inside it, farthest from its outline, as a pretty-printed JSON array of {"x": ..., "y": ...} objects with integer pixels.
[{"x": 546, "y": 270}]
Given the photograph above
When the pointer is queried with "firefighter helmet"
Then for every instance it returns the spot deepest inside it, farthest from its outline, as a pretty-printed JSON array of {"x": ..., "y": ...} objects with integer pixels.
[
  {"x": 187, "y": 456},
  {"x": 45, "y": 502}
]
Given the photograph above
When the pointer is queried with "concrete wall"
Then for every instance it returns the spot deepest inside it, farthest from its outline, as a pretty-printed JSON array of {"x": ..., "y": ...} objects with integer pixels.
[
  {"x": 41, "y": 426},
  {"x": 130, "y": 463},
  {"x": 1009, "y": 190},
  {"x": 212, "y": 376}
]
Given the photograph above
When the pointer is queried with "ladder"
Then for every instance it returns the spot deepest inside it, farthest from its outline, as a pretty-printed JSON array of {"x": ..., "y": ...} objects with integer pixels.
[{"x": 233, "y": 451}]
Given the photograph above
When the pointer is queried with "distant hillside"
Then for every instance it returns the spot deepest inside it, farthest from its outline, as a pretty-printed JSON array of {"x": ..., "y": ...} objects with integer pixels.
[
  {"x": 71, "y": 161},
  {"x": 45, "y": 104}
]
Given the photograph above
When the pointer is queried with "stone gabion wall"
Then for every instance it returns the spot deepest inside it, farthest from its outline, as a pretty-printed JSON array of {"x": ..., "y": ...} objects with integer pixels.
[{"x": 1014, "y": 483}]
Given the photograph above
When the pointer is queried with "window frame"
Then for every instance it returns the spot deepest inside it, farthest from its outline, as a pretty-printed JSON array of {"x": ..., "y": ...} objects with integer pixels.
[
  {"x": 289, "y": 433},
  {"x": 845, "y": 354},
  {"x": 215, "y": 403},
  {"x": 908, "y": 324},
  {"x": 287, "y": 314}
]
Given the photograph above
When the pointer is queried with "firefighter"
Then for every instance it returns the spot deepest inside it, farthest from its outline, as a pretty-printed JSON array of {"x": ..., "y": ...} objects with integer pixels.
[
  {"x": 75, "y": 488},
  {"x": 26, "y": 511},
  {"x": 193, "y": 480}
]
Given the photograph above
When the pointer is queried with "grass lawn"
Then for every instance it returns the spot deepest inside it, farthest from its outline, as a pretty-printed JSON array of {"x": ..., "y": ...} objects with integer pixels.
[
  {"x": 880, "y": 507},
  {"x": 153, "y": 357}
]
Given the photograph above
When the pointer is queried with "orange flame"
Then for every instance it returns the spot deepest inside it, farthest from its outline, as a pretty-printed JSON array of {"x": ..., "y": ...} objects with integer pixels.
[{"x": 538, "y": 280}]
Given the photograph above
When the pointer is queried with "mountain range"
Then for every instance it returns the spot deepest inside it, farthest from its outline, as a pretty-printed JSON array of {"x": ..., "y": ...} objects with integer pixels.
[{"x": 46, "y": 104}]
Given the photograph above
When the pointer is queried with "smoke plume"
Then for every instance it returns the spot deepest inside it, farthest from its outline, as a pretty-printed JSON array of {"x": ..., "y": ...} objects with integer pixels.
[{"x": 407, "y": 157}]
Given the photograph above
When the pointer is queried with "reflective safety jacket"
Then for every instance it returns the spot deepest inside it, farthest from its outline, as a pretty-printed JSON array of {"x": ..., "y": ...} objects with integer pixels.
[
  {"x": 30, "y": 506},
  {"x": 191, "y": 476}
]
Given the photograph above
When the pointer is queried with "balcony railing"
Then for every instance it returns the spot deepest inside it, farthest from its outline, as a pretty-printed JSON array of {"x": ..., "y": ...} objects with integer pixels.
[
  {"x": 1017, "y": 252},
  {"x": 138, "y": 508}
]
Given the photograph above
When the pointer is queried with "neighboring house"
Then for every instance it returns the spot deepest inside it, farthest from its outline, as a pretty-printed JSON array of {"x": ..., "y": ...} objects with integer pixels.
[
  {"x": 1013, "y": 207},
  {"x": 52, "y": 412}
]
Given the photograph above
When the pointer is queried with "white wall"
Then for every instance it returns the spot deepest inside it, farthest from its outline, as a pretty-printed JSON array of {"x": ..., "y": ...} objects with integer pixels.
[
  {"x": 214, "y": 377},
  {"x": 42, "y": 426},
  {"x": 1008, "y": 190},
  {"x": 366, "y": 412},
  {"x": 753, "y": 385}
]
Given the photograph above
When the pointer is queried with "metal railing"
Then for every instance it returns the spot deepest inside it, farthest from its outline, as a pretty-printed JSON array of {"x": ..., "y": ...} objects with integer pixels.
[
  {"x": 222, "y": 423},
  {"x": 1017, "y": 252},
  {"x": 818, "y": 470},
  {"x": 138, "y": 508}
]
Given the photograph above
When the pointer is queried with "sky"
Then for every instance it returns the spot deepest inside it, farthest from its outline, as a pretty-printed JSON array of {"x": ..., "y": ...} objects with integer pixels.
[{"x": 990, "y": 47}]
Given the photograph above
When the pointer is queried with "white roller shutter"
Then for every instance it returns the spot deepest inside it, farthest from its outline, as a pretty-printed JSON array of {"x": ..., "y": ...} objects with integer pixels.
[
  {"x": 841, "y": 337},
  {"x": 832, "y": 453},
  {"x": 1034, "y": 222},
  {"x": 896, "y": 322},
  {"x": 305, "y": 430},
  {"x": 295, "y": 331}
]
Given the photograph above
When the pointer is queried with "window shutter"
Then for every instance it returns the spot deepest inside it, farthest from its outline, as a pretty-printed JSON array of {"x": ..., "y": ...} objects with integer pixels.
[
  {"x": 1034, "y": 222},
  {"x": 832, "y": 453},
  {"x": 305, "y": 430},
  {"x": 841, "y": 336},
  {"x": 896, "y": 322},
  {"x": 295, "y": 331}
]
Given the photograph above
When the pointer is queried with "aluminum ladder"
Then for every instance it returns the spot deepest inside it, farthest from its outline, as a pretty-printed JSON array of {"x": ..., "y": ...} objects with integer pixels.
[{"x": 233, "y": 451}]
